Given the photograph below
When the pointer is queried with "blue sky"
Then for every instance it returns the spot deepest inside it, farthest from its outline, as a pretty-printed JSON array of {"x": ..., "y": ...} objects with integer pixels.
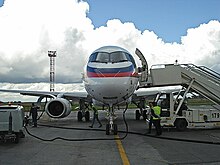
[{"x": 169, "y": 19}]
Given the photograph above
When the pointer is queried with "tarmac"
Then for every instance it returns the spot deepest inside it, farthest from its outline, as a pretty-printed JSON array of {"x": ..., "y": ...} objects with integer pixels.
[{"x": 67, "y": 142}]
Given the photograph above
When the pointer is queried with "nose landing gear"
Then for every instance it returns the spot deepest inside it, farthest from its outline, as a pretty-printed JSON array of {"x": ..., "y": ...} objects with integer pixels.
[{"x": 111, "y": 127}]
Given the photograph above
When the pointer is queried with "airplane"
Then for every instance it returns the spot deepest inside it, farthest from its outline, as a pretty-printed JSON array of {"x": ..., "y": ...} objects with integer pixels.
[{"x": 111, "y": 77}]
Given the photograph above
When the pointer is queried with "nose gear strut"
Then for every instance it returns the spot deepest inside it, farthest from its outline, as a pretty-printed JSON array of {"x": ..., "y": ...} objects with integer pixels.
[{"x": 111, "y": 127}]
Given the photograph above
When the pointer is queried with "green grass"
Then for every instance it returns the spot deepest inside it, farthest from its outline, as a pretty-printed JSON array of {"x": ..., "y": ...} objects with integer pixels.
[{"x": 192, "y": 102}]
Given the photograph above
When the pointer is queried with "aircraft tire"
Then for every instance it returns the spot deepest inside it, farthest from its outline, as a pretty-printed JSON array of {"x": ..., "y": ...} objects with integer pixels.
[
  {"x": 79, "y": 116},
  {"x": 115, "y": 129},
  {"x": 87, "y": 116},
  {"x": 107, "y": 129},
  {"x": 137, "y": 115}
]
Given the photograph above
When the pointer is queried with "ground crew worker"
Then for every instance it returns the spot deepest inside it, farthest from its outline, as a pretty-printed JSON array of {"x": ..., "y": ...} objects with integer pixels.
[
  {"x": 33, "y": 113},
  {"x": 155, "y": 112},
  {"x": 95, "y": 117}
]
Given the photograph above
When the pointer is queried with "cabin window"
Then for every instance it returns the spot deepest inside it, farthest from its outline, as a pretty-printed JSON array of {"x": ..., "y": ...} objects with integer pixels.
[{"x": 118, "y": 57}]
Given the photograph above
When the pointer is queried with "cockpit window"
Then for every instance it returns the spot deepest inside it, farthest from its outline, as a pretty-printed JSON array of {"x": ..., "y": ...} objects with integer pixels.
[
  {"x": 114, "y": 57},
  {"x": 102, "y": 57},
  {"x": 92, "y": 57},
  {"x": 130, "y": 58},
  {"x": 118, "y": 57}
]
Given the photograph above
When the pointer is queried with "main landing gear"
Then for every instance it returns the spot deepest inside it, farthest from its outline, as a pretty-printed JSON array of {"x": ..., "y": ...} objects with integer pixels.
[
  {"x": 82, "y": 114},
  {"x": 139, "y": 113},
  {"x": 83, "y": 111}
]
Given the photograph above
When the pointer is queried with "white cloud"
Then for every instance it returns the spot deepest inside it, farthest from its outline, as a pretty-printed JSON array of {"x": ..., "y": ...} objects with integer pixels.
[
  {"x": 202, "y": 44},
  {"x": 29, "y": 28}
]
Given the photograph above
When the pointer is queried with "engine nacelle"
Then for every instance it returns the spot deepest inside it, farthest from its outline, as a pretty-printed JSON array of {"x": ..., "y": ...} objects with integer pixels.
[{"x": 58, "y": 108}]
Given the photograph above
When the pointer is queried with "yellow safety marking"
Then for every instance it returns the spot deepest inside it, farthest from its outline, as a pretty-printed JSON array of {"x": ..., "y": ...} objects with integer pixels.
[{"x": 123, "y": 155}]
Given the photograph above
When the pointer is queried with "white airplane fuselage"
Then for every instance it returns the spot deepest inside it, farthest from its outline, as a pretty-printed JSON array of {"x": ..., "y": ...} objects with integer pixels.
[{"x": 111, "y": 76}]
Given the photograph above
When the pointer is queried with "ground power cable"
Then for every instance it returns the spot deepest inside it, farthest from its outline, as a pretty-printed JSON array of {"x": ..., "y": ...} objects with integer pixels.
[
  {"x": 42, "y": 112},
  {"x": 120, "y": 138},
  {"x": 83, "y": 129}
]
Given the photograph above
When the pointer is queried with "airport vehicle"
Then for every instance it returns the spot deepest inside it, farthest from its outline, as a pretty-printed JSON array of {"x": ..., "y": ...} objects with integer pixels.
[
  {"x": 11, "y": 122},
  {"x": 176, "y": 113},
  {"x": 201, "y": 79}
]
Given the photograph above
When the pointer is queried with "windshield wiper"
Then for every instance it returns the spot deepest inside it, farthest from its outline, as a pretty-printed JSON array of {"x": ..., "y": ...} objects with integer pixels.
[
  {"x": 120, "y": 61},
  {"x": 99, "y": 61}
]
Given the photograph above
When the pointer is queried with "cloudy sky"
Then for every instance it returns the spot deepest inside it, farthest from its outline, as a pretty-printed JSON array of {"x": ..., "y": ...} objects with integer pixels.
[{"x": 164, "y": 30}]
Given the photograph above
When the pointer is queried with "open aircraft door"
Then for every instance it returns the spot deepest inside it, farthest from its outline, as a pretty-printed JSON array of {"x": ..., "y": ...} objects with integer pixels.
[{"x": 143, "y": 71}]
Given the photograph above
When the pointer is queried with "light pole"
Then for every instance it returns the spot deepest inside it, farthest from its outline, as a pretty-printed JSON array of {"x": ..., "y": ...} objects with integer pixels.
[{"x": 52, "y": 55}]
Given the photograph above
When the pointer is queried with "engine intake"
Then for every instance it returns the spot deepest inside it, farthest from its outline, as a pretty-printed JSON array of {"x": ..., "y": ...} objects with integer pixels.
[{"x": 58, "y": 108}]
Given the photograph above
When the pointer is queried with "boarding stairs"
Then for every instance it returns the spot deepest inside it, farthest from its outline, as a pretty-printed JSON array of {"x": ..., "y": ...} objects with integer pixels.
[{"x": 199, "y": 78}]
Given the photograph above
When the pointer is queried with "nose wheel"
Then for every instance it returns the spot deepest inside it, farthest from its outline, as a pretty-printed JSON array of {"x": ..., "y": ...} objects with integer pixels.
[{"x": 111, "y": 128}]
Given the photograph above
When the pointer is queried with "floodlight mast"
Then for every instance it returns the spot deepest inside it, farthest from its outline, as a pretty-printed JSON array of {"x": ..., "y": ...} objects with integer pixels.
[{"x": 52, "y": 55}]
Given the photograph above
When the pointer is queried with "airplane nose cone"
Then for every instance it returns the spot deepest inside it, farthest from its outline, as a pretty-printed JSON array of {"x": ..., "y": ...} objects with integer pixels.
[{"x": 112, "y": 90}]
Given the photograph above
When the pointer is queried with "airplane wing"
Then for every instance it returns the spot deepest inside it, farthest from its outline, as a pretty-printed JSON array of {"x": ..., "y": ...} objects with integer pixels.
[
  {"x": 74, "y": 94},
  {"x": 152, "y": 91},
  {"x": 141, "y": 92},
  {"x": 60, "y": 105}
]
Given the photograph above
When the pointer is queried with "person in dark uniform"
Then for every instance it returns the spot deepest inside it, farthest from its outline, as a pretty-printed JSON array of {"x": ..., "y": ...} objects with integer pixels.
[
  {"x": 95, "y": 117},
  {"x": 156, "y": 111},
  {"x": 33, "y": 113},
  {"x": 155, "y": 118}
]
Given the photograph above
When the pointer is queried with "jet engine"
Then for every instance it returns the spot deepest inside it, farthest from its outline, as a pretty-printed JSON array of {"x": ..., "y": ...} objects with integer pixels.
[{"x": 58, "y": 108}]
